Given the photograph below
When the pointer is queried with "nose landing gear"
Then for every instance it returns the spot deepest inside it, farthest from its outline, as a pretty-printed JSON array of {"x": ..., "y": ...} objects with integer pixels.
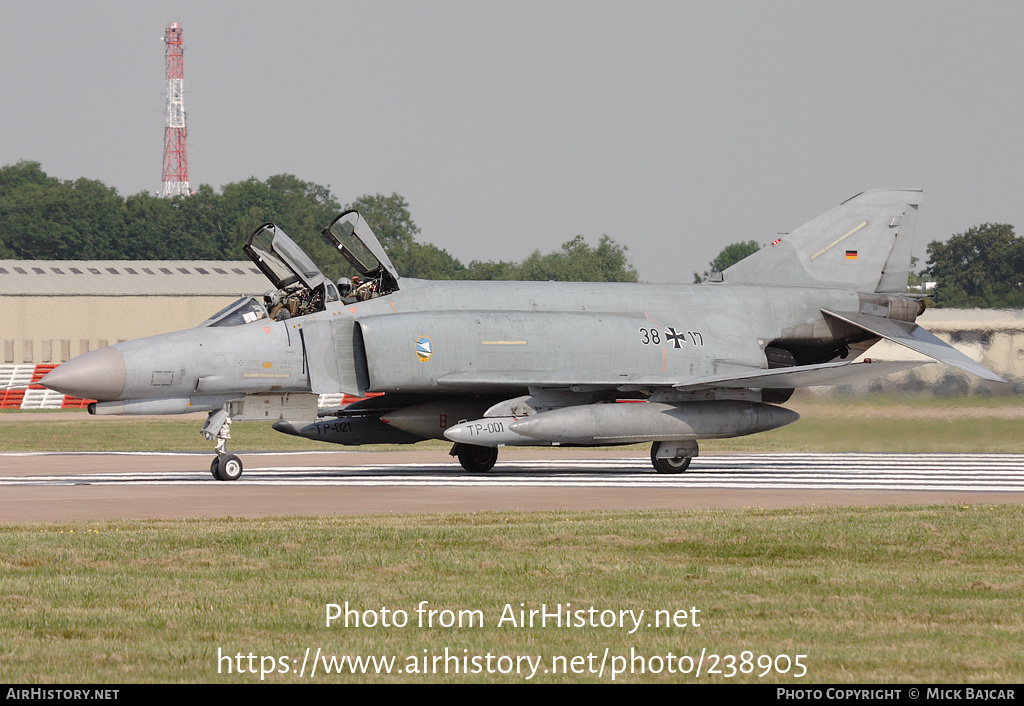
[{"x": 225, "y": 466}]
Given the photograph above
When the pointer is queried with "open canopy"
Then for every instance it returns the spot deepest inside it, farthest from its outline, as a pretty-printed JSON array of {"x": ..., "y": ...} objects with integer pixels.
[
  {"x": 281, "y": 260},
  {"x": 352, "y": 237},
  {"x": 301, "y": 287}
]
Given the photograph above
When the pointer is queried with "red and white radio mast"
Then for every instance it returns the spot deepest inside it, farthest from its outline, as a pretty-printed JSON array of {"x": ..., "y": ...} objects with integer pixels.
[{"x": 175, "y": 177}]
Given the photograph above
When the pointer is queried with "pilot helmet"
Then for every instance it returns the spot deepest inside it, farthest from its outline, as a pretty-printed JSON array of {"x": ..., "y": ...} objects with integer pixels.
[{"x": 344, "y": 286}]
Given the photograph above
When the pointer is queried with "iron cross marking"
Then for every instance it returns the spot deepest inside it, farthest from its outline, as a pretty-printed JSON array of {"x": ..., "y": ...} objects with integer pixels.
[{"x": 677, "y": 338}]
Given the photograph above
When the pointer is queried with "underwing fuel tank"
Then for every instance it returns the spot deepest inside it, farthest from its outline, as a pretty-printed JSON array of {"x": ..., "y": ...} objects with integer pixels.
[
  {"x": 490, "y": 431},
  {"x": 430, "y": 420},
  {"x": 371, "y": 421},
  {"x": 348, "y": 431},
  {"x": 627, "y": 423}
]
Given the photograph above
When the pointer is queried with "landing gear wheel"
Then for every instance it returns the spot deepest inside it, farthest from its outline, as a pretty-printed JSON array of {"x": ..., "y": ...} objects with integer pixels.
[
  {"x": 668, "y": 465},
  {"x": 229, "y": 467},
  {"x": 215, "y": 466},
  {"x": 477, "y": 459}
]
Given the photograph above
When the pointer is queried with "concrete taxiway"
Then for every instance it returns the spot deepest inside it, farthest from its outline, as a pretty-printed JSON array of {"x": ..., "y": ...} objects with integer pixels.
[{"x": 106, "y": 486}]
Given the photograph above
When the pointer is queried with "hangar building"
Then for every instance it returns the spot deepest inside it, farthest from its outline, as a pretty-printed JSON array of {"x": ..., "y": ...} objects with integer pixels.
[{"x": 53, "y": 310}]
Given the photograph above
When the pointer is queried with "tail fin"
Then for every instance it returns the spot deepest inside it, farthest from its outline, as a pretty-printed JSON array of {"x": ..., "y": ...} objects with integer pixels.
[{"x": 863, "y": 243}]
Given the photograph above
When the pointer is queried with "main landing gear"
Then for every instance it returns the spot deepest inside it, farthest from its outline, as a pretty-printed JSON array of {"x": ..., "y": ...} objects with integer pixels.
[
  {"x": 475, "y": 459},
  {"x": 672, "y": 456},
  {"x": 666, "y": 456},
  {"x": 225, "y": 466}
]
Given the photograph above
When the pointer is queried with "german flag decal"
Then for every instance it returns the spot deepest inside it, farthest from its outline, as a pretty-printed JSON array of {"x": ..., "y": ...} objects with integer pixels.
[{"x": 851, "y": 254}]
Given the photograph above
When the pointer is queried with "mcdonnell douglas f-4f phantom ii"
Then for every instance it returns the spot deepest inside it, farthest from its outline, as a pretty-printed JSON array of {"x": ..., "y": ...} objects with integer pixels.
[{"x": 491, "y": 364}]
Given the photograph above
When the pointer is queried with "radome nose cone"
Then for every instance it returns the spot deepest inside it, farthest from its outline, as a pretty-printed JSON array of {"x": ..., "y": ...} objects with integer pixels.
[{"x": 97, "y": 375}]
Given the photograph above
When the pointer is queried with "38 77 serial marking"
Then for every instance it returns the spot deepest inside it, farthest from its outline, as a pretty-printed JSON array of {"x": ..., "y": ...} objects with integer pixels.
[{"x": 653, "y": 337}]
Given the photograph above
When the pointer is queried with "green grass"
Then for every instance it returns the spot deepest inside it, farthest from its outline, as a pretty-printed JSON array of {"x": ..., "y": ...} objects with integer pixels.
[
  {"x": 825, "y": 433},
  {"x": 870, "y": 595},
  {"x": 899, "y": 594},
  {"x": 924, "y": 400},
  {"x": 128, "y": 434}
]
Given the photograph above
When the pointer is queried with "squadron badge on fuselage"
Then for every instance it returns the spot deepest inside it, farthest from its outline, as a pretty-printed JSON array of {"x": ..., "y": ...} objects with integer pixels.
[{"x": 424, "y": 348}]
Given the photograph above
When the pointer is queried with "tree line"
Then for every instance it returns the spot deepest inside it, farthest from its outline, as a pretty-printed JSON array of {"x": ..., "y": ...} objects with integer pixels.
[{"x": 45, "y": 218}]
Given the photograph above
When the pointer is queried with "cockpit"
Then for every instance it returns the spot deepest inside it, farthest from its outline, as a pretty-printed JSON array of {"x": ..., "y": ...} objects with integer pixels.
[
  {"x": 352, "y": 237},
  {"x": 299, "y": 286}
]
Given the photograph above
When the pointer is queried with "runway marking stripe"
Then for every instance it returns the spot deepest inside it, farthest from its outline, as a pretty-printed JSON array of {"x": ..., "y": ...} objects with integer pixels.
[
  {"x": 959, "y": 487},
  {"x": 725, "y": 458},
  {"x": 955, "y": 472}
]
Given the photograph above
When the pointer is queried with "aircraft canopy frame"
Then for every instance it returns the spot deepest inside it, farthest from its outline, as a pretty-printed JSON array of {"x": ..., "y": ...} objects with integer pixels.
[
  {"x": 281, "y": 260},
  {"x": 352, "y": 236},
  {"x": 301, "y": 287}
]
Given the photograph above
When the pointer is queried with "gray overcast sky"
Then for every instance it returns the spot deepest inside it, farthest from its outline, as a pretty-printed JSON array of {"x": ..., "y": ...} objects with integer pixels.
[{"x": 675, "y": 127}]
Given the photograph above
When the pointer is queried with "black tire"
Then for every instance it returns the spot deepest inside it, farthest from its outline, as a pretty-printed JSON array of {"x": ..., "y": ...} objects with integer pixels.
[
  {"x": 668, "y": 465},
  {"x": 477, "y": 459},
  {"x": 229, "y": 467},
  {"x": 215, "y": 467}
]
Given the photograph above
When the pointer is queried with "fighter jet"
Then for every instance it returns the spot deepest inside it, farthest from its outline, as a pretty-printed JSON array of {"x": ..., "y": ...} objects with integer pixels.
[{"x": 492, "y": 364}]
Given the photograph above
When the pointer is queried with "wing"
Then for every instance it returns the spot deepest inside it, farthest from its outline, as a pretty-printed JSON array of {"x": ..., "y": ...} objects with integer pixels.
[
  {"x": 839, "y": 373},
  {"x": 915, "y": 338}
]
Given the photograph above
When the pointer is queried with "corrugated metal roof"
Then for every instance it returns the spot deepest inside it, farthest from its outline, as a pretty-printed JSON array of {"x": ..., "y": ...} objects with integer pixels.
[
  {"x": 130, "y": 277},
  {"x": 950, "y": 320}
]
